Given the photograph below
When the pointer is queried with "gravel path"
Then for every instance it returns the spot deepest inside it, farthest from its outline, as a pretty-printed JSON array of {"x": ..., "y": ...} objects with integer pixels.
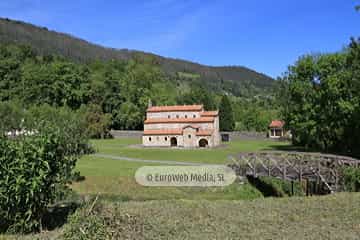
[{"x": 168, "y": 162}]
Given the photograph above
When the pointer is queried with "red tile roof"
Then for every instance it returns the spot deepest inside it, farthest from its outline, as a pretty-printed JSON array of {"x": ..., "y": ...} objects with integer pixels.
[
  {"x": 180, "y": 120},
  {"x": 204, "y": 132},
  {"x": 209, "y": 114},
  {"x": 178, "y": 108},
  {"x": 163, "y": 132},
  {"x": 277, "y": 124}
]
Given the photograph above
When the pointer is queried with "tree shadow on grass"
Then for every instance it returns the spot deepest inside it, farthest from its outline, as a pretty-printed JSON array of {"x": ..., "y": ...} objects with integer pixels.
[
  {"x": 290, "y": 148},
  {"x": 56, "y": 216}
]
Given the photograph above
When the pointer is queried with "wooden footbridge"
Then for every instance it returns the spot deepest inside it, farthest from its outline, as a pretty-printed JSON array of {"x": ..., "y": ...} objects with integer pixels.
[{"x": 324, "y": 170}]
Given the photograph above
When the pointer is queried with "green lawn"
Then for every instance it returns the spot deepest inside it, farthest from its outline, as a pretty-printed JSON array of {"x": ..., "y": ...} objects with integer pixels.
[
  {"x": 95, "y": 166},
  {"x": 115, "y": 178},
  {"x": 120, "y": 147}
]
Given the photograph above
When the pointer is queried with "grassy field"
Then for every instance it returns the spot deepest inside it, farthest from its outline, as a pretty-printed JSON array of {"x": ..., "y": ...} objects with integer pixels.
[
  {"x": 122, "y": 147},
  {"x": 126, "y": 210},
  {"x": 334, "y": 216},
  {"x": 114, "y": 179},
  {"x": 330, "y": 217}
]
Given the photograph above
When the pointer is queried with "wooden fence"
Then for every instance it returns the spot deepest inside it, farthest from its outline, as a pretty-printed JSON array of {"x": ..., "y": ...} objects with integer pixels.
[{"x": 323, "y": 169}]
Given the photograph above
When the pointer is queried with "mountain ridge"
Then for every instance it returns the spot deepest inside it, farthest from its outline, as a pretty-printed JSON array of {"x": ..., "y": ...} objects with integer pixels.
[{"x": 46, "y": 41}]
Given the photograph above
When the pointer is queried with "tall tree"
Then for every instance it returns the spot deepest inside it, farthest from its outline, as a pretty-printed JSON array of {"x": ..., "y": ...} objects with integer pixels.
[
  {"x": 352, "y": 130},
  {"x": 321, "y": 101},
  {"x": 227, "y": 122}
]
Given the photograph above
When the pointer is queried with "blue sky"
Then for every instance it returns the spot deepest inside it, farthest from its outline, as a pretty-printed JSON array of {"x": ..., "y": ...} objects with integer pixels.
[{"x": 263, "y": 35}]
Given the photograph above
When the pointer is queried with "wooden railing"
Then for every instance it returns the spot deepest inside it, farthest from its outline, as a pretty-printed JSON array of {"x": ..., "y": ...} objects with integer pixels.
[{"x": 324, "y": 169}]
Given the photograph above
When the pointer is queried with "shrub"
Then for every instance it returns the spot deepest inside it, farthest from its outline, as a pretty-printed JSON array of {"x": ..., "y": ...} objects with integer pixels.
[
  {"x": 70, "y": 124},
  {"x": 11, "y": 116},
  {"x": 352, "y": 179},
  {"x": 96, "y": 122},
  {"x": 32, "y": 171}
]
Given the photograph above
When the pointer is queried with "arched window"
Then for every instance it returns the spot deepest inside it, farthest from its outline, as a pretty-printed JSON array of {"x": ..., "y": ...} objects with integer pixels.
[
  {"x": 165, "y": 138},
  {"x": 185, "y": 116},
  {"x": 168, "y": 116},
  {"x": 189, "y": 136},
  {"x": 177, "y": 116},
  {"x": 149, "y": 139},
  {"x": 194, "y": 116}
]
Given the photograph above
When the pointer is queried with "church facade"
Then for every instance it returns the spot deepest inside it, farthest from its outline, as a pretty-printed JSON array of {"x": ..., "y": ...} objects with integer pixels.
[{"x": 187, "y": 126}]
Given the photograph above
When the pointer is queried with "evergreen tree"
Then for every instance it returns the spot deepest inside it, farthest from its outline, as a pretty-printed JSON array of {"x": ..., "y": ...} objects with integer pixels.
[{"x": 226, "y": 114}]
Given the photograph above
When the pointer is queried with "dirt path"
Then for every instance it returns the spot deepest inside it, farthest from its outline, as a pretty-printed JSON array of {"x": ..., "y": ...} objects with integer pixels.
[{"x": 167, "y": 162}]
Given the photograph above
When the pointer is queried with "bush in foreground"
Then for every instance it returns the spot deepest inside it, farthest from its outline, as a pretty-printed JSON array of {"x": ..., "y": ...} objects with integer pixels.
[{"x": 32, "y": 170}]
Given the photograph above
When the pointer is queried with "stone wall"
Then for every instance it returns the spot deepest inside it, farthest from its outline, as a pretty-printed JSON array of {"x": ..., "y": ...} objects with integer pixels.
[
  {"x": 126, "y": 134},
  {"x": 247, "y": 135}
]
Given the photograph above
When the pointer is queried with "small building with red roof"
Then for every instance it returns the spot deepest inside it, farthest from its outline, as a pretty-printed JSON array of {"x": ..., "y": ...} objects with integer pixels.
[
  {"x": 181, "y": 126},
  {"x": 276, "y": 129}
]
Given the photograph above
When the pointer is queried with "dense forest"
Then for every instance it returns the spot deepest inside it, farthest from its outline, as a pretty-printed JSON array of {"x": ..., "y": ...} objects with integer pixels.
[{"x": 115, "y": 90}]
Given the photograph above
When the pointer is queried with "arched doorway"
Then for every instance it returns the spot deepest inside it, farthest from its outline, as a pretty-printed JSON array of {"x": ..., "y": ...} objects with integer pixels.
[
  {"x": 203, "y": 143},
  {"x": 173, "y": 141}
]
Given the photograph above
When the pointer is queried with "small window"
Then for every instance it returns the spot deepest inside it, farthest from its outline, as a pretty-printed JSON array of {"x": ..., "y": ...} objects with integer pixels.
[
  {"x": 194, "y": 116},
  {"x": 150, "y": 139},
  {"x": 157, "y": 138},
  {"x": 165, "y": 138},
  {"x": 185, "y": 116},
  {"x": 177, "y": 116},
  {"x": 168, "y": 116},
  {"x": 189, "y": 136}
]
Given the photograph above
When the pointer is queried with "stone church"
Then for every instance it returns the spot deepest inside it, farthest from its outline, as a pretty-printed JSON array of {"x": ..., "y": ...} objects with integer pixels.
[{"x": 186, "y": 126}]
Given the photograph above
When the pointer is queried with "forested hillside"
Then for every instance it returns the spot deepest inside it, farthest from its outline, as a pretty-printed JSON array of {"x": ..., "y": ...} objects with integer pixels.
[
  {"x": 239, "y": 81},
  {"x": 112, "y": 87}
]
